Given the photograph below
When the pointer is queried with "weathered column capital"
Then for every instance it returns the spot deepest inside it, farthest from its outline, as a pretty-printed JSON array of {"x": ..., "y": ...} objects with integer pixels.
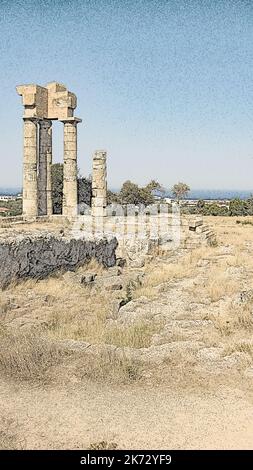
[
  {"x": 45, "y": 124},
  {"x": 71, "y": 120},
  {"x": 35, "y": 120}
]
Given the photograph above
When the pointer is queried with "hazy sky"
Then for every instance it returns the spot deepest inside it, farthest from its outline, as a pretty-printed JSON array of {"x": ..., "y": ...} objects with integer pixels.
[{"x": 166, "y": 87}]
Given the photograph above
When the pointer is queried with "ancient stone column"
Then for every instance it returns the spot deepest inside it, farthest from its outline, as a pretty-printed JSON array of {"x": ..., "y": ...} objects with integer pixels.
[
  {"x": 69, "y": 208},
  {"x": 49, "y": 172},
  {"x": 99, "y": 184},
  {"x": 44, "y": 168},
  {"x": 30, "y": 191}
]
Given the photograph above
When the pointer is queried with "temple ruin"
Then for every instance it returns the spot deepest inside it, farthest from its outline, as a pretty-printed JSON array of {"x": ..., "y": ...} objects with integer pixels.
[
  {"x": 132, "y": 229},
  {"x": 42, "y": 105}
]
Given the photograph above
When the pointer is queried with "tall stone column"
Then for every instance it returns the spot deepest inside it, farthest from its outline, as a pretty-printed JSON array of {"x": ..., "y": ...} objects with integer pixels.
[
  {"x": 44, "y": 168},
  {"x": 49, "y": 172},
  {"x": 99, "y": 184},
  {"x": 69, "y": 207},
  {"x": 30, "y": 190}
]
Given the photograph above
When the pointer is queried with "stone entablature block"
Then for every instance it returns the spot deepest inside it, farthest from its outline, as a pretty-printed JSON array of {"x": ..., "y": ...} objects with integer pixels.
[{"x": 51, "y": 102}]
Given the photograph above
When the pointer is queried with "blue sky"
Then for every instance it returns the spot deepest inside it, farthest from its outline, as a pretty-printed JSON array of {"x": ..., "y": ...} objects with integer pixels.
[{"x": 165, "y": 86}]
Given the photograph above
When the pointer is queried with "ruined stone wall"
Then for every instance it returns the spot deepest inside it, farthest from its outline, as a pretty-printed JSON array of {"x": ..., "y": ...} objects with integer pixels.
[
  {"x": 137, "y": 236},
  {"x": 37, "y": 256}
]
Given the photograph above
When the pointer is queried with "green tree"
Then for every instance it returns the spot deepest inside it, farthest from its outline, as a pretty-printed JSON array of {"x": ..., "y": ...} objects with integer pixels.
[
  {"x": 57, "y": 187},
  {"x": 154, "y": 185},
  {"x": 200, "y": 206},
  {"x": 83, "y": 188},
  {"x": 180, "y": 191},
  {"x": 249, "y": 205},
  {"x": 112, "y": 197},
  {"x": 237, "y": 207},
  {"x": 131, "y": 193}
]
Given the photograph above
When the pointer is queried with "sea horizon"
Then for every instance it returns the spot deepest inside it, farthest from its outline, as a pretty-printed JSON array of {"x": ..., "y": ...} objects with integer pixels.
[{"x": 215, "y": 194}]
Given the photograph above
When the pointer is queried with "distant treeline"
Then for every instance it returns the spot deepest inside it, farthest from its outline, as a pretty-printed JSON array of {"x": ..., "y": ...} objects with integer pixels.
[
  {"x": 237, "y": 207},
  {"x": 131, "y": 193},
  {"x": 13, "y": 207}
]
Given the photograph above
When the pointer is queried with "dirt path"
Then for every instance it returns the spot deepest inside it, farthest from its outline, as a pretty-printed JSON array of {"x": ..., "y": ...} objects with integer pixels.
[{"x": 133, "y": 417}]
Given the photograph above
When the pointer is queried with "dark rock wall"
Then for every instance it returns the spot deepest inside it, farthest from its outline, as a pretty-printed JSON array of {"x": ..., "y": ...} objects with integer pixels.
[{"x": 39, "y": 256}]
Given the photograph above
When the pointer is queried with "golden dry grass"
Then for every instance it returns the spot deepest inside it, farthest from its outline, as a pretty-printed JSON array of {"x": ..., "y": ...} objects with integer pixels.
[
  {"x": 103, "y": 445},
  {"x": 164, "y": 272},
  {"x": 219, "y": 284},
  {"x": 71, "y": 311},
  {"x": 3, "y": 306},
  {"x": 74, "y": 311},
  {"x": 229, "y": 232},
  {"x": 108, "y": 366},
  {"x": 234, "y": 319},
  {"x": 96, "y": 329},
  {"x": 137, "y": 335},
  {"x": 239, "y": 345},
  {"x": 26, "y": 355}
]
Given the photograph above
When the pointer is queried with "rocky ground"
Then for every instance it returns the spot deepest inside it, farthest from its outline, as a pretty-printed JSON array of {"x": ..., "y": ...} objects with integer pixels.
[{"x": 154, "y": 356}]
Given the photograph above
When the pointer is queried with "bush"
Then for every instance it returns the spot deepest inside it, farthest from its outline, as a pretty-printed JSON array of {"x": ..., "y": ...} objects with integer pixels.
[
  {"x": 215, "y": 209},
  {"x": 238, "y": 207}
]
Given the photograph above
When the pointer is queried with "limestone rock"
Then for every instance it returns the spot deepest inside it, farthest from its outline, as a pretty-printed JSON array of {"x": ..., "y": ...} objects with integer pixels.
[
  {"x": 111, "y": 283},
  {"x": 37, "y": 256},
  {"x": 77, "y": 278}
]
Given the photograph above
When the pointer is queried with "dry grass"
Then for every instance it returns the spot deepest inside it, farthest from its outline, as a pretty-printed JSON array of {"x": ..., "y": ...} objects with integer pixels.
[
  {"x": 4, "y": 306},
  {"x": 164, "y": 272},
  {"x": 82, "y": 317},
  {"x": 230, "y": 232},
  {"x": 74, "y": 311},
  {"x": 137, "y": 335},
  {"x": 79, "y": 314},
  {"x": 244, "y": 346},
  {"x": 103, "y": 445},
  {"x": 235, "y": 320},
  {"x": 108, "y": 366},
  {"x": 70, "y": 326},
  {"x": 29, "y": 356},
  {"x": 240, "y": 258},
  {"x": 70, "y": 312},
  {"x": 26, "y": 355},
  {"x": 96, "y": 329},
  {"x": 219, "y": 285},
  {"x": 92, "y": 266}
]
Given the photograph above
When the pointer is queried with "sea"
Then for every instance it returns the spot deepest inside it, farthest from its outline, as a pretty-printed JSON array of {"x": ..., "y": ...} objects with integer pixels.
[
  {"x": 218, "y": 194},
  {"x": 197, "y": 194}
]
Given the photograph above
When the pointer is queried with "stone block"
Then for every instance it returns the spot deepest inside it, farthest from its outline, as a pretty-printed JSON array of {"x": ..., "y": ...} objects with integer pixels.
[
  {"x": 98, "y": 202},
  {"x": 35, "y": 100},
  {"x": 61, "y": 102}
]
